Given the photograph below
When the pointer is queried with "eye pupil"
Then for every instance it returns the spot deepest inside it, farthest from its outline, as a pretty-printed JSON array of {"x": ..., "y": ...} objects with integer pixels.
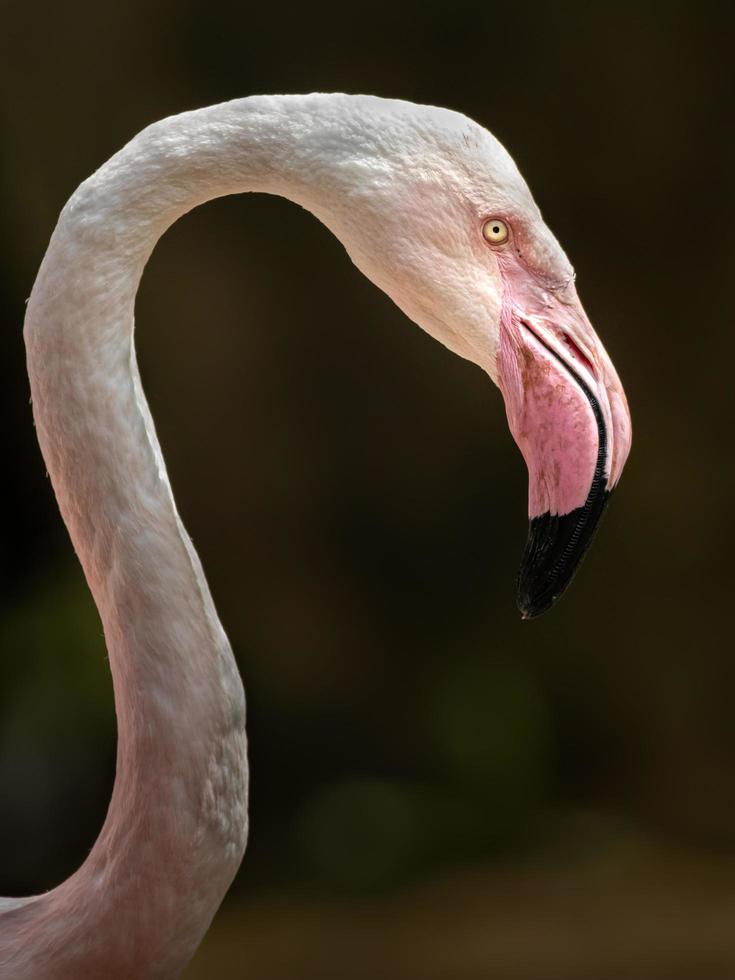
[{"x": 495, "y": 231}]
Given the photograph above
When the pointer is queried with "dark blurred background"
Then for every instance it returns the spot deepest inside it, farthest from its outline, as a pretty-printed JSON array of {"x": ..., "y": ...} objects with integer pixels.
[{"x": 439, "y": 790}]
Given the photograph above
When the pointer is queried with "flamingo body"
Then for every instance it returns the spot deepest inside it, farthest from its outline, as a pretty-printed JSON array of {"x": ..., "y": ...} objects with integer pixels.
[{"x": 408, "y": 190}]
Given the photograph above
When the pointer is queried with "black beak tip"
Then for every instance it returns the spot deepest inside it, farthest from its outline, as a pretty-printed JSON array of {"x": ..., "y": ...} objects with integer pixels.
[
  {"x": 532, "y": 598},
  {"x": 531, "y": 609},
  {"x": 554, "y": 551}
]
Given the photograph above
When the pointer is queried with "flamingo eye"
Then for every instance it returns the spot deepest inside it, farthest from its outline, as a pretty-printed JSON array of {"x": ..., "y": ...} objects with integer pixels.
[{"x": 495, "y": 231}]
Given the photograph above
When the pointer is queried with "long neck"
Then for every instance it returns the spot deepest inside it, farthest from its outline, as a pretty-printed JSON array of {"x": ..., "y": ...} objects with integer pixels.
[{"x": 176, "y": 828}]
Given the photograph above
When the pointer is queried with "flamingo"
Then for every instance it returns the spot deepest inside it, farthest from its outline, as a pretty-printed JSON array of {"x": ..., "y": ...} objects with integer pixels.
[{"x": 433, "y": 210}]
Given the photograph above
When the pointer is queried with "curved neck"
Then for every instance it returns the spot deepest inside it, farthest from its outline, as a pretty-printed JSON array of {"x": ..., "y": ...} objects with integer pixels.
[{"x": 176, "y": 828}]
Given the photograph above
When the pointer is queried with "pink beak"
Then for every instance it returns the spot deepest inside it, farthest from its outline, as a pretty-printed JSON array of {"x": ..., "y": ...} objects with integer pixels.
[{"x": 568, "y": 413}]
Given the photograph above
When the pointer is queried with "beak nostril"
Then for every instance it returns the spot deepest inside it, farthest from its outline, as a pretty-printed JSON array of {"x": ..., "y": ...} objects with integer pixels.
[{"x": 578, "y": 355}]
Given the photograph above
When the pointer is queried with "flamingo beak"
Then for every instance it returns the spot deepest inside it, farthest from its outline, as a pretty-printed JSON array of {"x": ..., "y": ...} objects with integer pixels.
[{"x": 568, "y": 413}]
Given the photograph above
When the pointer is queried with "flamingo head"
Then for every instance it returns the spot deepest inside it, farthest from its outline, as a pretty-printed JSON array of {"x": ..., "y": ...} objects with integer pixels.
[{"x": 434, "y": 211}]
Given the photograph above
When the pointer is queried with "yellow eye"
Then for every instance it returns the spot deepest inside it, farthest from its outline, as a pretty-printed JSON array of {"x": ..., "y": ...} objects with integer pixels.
[{"x": 495, "y": 231}]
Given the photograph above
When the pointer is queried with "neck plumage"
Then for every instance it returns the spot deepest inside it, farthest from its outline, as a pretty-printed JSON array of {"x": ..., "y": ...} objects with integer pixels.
[{"x": 176, "y": 828}]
